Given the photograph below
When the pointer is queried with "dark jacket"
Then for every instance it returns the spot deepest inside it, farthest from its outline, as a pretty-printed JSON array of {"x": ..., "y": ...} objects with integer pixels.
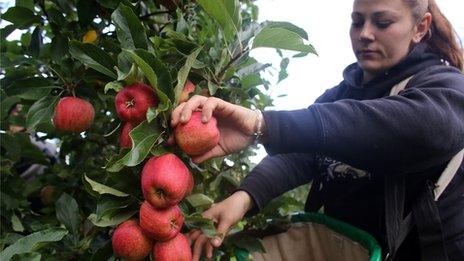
[{"x": 355, "y": 134}]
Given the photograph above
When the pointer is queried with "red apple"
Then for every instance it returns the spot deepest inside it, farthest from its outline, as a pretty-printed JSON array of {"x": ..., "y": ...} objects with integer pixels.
[
  {"x": 189, "y": 87},
  {"x": 125, "y": 140},
  {"x": 160, "y": 224},
  {"x": 195, "y": 137},
  {"x": 73, "y": 115},
  {"x": 133, "y": 101},
  {"x": 130, "y": 242},
  {"x": 177, "y": 249},
  {"x": 165, "y": 181}
]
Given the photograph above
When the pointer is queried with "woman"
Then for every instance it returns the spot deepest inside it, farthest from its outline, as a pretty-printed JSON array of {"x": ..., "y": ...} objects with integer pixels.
[{"x": 360, "y": 144}]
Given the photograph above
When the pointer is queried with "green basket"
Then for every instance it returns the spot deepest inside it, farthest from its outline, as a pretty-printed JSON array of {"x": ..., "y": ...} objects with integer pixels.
[{"x": 315, "y": 236}]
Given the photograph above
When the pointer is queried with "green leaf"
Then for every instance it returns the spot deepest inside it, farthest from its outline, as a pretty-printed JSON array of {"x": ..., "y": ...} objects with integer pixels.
[
  {"x": 199, "y": 200},
  {"x": 152, "y": 113},
  {"x": 67, "y": 212},
  {"x": 111, "y": 4},
  {"x": 86, "y": 11},
  {"x": 5, "y": 31},
  {"x": 249, "y": 243},
  {"x": 16, "y": 224},
  {"x": 33, "y": 242},
  {"x": 93, "y": 57},
  {"x": 130, "y": 31},
  {"x": 107, "y": 221},
  {"x": 6, "y": 105},
  {"x": 36, "y": 42},
  {"x": 108, "y": 205},
  {"x": 286, "y": 25},
  {"x": 184, "y": 72},
  {"x": 29, "y": 4},
  {"x": 21, "y": 17},
  {"x": 212, "y": 87},
  {"x": 55, "y": 15},
  {"x": 163, "y": 77},
  {"x": 114, "y": 85},
  {"x": 59, "y": 47},
  {"x": 31, "y": 256},
  {"x": 144, "y": 137},
  {"x": 32, "y": 88},
  {"x": 41, "y": 111},
  {"x": 283, "y": 69},
  {"x": 103, "y": 189},
  {"x": 226, "y": 13},
  {"x": 282, "y": 38},
  {"x": 129, "y": 77},
  {"x": 197, "y": 221},
  {"x": 251, "y": 80},
  {"x": 146, "y": 68}
]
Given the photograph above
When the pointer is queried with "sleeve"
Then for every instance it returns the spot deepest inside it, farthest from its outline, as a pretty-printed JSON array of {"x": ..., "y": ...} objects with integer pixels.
[
  {"x": 421, "y": 127},
  {"x": 277, "y": 174}
]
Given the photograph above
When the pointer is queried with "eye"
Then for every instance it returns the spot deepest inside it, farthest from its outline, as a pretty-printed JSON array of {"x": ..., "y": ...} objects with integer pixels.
[
  {"x": 383, "y": 24},
  {"x": 357, "y": 23}
]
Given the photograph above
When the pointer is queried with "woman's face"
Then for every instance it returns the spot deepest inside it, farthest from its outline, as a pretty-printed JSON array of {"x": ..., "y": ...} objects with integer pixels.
[{"x": 381, "y": 33}]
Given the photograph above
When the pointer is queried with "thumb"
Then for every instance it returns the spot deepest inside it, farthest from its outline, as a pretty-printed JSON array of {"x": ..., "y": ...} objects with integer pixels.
[{"x": 222, "y": 229}]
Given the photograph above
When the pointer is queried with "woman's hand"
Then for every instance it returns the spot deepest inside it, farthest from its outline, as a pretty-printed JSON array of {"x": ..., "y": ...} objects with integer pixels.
[
  {"x": 226, "y": 214},
  {"x": 236, "y": 124}
]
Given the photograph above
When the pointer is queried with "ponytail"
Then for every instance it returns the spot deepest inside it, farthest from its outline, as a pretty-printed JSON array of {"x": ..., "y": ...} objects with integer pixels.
[{"x": 441, "y": 37}]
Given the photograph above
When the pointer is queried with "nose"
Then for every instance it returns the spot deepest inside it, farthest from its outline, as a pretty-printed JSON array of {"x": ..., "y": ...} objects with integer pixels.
[{"x": 367, "y": 33}]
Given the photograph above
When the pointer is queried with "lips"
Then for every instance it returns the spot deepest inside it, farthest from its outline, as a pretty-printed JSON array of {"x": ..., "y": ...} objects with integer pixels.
[{"x": 367, "y": 51}]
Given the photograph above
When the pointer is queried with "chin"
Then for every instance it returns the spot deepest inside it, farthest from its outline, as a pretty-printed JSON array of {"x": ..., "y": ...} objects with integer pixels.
[{"x": 371, "y": 67}]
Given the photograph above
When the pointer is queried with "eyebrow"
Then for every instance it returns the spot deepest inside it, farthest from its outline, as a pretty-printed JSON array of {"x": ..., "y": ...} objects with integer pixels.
[{"x": 376, "y": 14}]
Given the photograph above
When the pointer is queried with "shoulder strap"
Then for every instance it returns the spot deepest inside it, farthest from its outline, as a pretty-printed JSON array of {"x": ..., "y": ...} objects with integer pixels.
[
  {"x": 425, "y": 211},
  {"x": 448, "y": 174},
  {"x": 400, "y": 86}
]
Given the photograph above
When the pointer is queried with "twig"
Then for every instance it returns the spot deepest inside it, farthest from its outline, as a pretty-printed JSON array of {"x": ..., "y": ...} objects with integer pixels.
[{"x": 143, "y": 17}]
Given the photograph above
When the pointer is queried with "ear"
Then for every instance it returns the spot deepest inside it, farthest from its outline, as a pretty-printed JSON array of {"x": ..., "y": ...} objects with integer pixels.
[{"x": 422, "y": 27}]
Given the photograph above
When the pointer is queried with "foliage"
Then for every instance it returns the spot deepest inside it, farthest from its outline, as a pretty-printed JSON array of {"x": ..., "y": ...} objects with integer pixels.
[{"x": 91, "y": 49}]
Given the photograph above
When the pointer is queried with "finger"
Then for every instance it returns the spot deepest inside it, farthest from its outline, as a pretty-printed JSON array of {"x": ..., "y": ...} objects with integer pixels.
[
  {"x": 192, "y": 105},
  {"x": 197, "y": 247},
  {"x": 209, "y": 250},
  {"x": 222, "y": 229},
  {"x": 194, "y": 234},
  {"x": 210, "y": 106},
  {"x": 213, "y": 153},
  {"x": 175, "y": 115}
]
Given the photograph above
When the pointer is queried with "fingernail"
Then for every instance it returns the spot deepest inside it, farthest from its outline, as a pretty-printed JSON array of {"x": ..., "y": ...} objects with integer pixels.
[
  {"x": 204, "y": 119},
  {"x": 216, "y": 242},
  {"x": 182, "y": 118}
]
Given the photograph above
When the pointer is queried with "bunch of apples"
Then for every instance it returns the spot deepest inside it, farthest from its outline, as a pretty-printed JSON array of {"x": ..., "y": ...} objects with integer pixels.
[{"x": 165, "y": 181}]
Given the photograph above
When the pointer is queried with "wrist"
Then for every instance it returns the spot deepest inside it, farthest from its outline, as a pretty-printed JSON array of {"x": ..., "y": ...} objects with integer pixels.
[{"x": 245, "y": 200}]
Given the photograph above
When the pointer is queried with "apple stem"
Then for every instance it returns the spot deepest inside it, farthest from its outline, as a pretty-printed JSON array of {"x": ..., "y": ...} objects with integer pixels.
[
  {"x": 130, "y": 103},
  {"x": 160, "y": 192},
  {"x": 173, "y": 224}
]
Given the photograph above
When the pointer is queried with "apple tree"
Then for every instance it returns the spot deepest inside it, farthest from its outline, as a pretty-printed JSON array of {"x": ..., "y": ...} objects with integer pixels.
[{"x": 64, "y": 193}]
